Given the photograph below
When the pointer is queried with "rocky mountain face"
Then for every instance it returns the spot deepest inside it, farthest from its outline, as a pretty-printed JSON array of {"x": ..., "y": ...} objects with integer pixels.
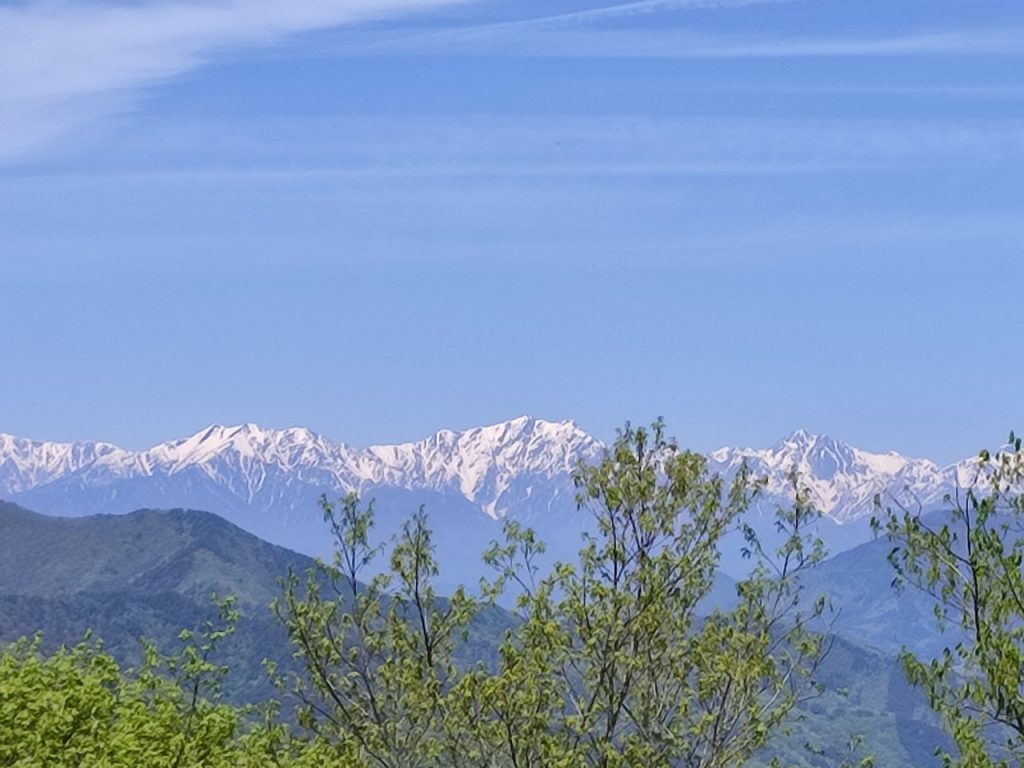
[
  {"x": 26, "y": 464},
  {"x": 268, "y": 481}
]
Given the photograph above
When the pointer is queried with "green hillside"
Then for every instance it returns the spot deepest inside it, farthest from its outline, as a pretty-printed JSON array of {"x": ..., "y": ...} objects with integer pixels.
[
  {"x": 147, "y": 574},
  {"x": 185, "y": 552}
]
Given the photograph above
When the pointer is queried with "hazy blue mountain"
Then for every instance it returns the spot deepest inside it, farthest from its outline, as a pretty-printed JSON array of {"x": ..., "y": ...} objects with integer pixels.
[
  {"x": 185, "y": 552},
  {"x": 872, "y": 611}
]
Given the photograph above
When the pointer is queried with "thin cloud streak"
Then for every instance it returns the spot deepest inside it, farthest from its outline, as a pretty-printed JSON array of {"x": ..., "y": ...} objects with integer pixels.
[
  {"x": 65, "y": 66},
  {"x": 559, "y": 21},
  {"x": 550, "y": 37},
  {"x": 610, "y": 12}
]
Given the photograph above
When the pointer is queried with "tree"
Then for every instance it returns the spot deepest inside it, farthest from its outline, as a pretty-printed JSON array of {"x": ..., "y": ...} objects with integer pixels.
[
  {"x": 969, "y": 561},
  {"x": 378, "y": 655},
  {"x": 611, "y": 661},
  {"x": 616, "y": 663}
]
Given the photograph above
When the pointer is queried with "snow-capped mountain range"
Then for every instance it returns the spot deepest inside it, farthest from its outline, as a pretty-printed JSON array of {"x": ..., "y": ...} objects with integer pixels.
[
  {"x": 269, "y": 480},
  {"x": 483, "y": 465},
  {"x": 843, "y": 481}
]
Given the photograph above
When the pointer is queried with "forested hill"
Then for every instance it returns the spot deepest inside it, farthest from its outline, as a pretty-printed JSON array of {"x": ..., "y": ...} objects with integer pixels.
[
  {"x": 150, "y": 574},
  {"x": 145, "y": 574},
  {"x": 183, "y": 552}
]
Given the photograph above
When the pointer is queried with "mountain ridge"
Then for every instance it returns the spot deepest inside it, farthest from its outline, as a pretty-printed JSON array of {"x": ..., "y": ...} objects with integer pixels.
[
  {"x": 146, "y": 550},
  {"x": 843, "y": 480},
  {"x": 269, "y": 481},
  {"x": 479, "y": 463}
]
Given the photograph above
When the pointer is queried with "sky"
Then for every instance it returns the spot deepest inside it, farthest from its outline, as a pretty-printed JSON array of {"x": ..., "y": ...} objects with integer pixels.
[{"x": 379, "y": 218}]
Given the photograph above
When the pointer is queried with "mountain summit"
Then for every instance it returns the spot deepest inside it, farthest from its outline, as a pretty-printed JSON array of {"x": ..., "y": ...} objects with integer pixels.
[{"x": 843, "y": 481}]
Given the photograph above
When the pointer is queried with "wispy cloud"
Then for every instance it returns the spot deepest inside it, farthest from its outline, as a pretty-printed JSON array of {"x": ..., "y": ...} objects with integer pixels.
[
  {"x": 570, "y": 36},
  {"x": 614, "y": 12},
  {"x": 984, "y": 42},
  {"x": 609, "y": 30},
  {"x": 519, "y": 33},
  {"x": 63, "y": 63}
]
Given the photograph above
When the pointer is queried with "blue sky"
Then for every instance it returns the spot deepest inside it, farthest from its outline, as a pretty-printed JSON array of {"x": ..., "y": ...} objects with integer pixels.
[{"x": 378, "y": 218}]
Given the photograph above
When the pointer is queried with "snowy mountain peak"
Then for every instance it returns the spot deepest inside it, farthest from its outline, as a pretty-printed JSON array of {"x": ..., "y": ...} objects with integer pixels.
[
  {"x": 802, "y": 442},
  {"x": 843, "y": 481},
  {"x": 244, "y": 443},
  {"x": 25, "y": 463},
  {"x": 799, "y": 438},
  {"x": 486, "y": 463},
  {"x": 814, "y": 455},
  {"x": 496, "y": 467}
]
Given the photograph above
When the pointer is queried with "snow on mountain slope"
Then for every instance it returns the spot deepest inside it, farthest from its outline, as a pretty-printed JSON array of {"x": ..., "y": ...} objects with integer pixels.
[
  {"x": 26, "y": 464},
  {"x": 249, "y": 463},
  {"x": 484, "y": 463},
  {"x": 239, "y": 458},
  {"x": 843, "y": 481},
  {"x": 520, "y": 467}
]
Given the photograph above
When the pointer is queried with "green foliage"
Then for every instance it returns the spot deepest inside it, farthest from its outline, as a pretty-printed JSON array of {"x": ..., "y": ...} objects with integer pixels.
[
  {"x": 970, "y": 564},
  {"x": 76, "y": 707},
  {"x": 380, "y": 669},
  {"x": 144, "y": 574},
  {"x": 609, "y": 664}
]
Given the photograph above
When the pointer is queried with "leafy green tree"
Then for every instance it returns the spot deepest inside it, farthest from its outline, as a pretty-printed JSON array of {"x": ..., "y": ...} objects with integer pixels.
[
  {"x": 615, "y": 665},
  {"x": 378, "y": 655},
  {"x": 612, "y": 661},
  {"x": 970, "y": 561}
]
